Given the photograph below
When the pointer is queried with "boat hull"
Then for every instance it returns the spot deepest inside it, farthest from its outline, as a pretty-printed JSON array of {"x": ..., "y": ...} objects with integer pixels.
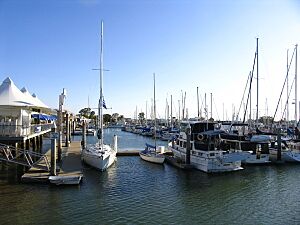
[
  {"x": 153, "y": 158},
  {"x": 208, "y": 165},
  {"x": 256, "y": 159},
  {"x": 100, "y": 161},
  {"x": 286, "y": 155}
]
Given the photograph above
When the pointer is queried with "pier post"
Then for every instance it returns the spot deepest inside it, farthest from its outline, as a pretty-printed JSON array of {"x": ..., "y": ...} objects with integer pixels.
[
  {"x": 115, "y": 141},
  {"x": 34, "y": 144},
  {"x": 73, "y": 127},
  {"x": 27, "y": 144},
  {"x": 23, "y": 144},
  {"x": 70, "y": 128},
  {"x": 188, "y": 145},
  {"x": 53, "y": 152},
  {"x": 41, "y": 143},
  {"x": 83, "y": 142},
  {"x": 278, "y": 146},
  {"x": 17, "y": 149},
  {"x": 67, "y": 144}
]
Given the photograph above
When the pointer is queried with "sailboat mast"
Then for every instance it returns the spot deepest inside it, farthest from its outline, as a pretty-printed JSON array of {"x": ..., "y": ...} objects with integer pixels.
[
  {"x": 198, "y": 103},
  {"x": 296, "y": 116},
  {"x": 171, "y": 112},
  {"x": 154, "y": 111},
  {"x": 257, "y": 82},
  {"x": 101, "y": 90},
  {"x": 287, "y": 87}
]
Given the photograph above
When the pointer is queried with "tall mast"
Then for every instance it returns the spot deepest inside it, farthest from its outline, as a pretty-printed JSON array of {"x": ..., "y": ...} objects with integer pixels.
[
  {"x": 101, "y": 90},
  {"x": 154, "y": 111},
  {"x": 211, "y": 115},
  {"x": 257, "y": 82},
  {"x": 146, "y": 112},
  {"x": 296, "y": 116},
  {"x": 171, "y": 112},
  {"x": 287, "y": 87},
  {"x": 198, "y": 103}
]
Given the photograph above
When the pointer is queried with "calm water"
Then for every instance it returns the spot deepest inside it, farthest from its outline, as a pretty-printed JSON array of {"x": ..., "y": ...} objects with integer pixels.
[{"x": 136, "y": 192}]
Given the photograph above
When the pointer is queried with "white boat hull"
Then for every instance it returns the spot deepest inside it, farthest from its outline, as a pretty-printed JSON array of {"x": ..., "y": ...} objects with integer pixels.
[
  {"x": 208, "y": 164},
  {"x": 286, "y": 155},
  {"x": 256, "y": 159},
  {"x": 99, "y": 160},
  {"x": 153, "y": 158}
]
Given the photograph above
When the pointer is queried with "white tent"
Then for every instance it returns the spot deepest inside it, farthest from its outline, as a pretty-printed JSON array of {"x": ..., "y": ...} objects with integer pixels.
[
  {"x": 10, "y": 95},
  {"x": 37, "y": 102}
]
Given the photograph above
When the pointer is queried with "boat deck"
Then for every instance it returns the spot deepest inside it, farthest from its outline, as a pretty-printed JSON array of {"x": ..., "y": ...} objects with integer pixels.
[{"x": 69, "y": 166}]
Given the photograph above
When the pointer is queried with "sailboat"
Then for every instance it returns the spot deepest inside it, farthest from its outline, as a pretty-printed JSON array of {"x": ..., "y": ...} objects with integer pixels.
[
  {"x": 100, "y": 155},
  {"x": 150, "y": 153}
]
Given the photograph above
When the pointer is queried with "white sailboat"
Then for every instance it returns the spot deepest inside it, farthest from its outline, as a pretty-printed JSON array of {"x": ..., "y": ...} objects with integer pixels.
[
  {"x": 150, "y": 153},
  {"x": 100, "y": 155}
]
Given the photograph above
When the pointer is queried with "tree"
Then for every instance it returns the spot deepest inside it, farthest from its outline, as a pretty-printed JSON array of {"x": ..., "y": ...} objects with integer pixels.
[
  {"x": 85, "y": 112},
  {"x": 115, "y": 117},
  {"x": 120, "y": 118},
  {"x": 106, "y": 118}
]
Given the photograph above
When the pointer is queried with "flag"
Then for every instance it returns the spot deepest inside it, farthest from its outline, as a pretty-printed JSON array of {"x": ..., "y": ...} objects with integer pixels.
[{"x": 103, "y": 104}]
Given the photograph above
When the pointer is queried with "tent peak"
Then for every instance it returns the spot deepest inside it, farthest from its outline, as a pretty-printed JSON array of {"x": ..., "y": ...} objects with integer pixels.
[
  {"x": 8, "y": 81},
  {"x": 24, "y": 90}
]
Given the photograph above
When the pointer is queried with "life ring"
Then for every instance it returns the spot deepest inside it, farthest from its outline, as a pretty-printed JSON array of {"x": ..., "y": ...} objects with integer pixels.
[{"x": 200, "y": 137}]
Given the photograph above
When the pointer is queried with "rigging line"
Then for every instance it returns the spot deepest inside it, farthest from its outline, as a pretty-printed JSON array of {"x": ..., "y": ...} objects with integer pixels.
[
  {"x": 286, "y": 77},
  {"x": 249, "y": 93},
  {"x": 216, "y": 109},
  {"x": 286, "y": 103},
  {"x": 243, "y": 96}
]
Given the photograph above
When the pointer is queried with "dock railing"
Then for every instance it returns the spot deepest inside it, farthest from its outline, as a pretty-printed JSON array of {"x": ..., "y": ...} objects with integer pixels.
[{"x": 23, "y": 157}]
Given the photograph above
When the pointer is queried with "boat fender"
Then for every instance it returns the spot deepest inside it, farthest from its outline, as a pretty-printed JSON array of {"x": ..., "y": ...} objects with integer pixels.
[{"x": 200, "y": 137}]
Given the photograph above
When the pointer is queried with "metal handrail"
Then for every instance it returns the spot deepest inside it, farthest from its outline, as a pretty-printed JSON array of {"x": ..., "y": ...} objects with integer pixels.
[{"x": 23, "y": 157}]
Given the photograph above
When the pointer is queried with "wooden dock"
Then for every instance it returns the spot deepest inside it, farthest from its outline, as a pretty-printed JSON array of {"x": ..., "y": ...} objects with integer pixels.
[{"x": 69, "y": 166}]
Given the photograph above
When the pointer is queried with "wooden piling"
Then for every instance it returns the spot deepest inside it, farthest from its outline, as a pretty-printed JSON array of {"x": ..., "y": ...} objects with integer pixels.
[
  {"x": 279, "y": 146},
  {"x": 53, "y": 153},
  {"x": 67, "y": 130},
  {"x": 188, "y": 145},
  {"x": 83, "y": 142}
]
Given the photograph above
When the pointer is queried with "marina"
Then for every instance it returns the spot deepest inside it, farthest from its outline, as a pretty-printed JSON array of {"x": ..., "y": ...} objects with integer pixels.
[
  {"x": 149, "y": 112},
  {"x": 255, "y": 194}
]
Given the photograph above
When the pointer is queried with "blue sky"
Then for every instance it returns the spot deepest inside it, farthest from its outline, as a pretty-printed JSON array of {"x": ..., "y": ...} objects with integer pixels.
[{"x": 50, "y": 45}]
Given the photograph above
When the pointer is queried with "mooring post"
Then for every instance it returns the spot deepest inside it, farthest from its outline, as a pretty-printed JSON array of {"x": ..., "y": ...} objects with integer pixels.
[
  {"x": 33, "y": 144},
  {"x": 53, "y": 151},
  {"x": 70, "y": 128},
  {"x": 278, "y": 146},
  {"x": 67, "y": 130},
  {"x": 115, "y": 141},
  {"x": 188, "y": 145},
  {"x": 83, "y": 142}
]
